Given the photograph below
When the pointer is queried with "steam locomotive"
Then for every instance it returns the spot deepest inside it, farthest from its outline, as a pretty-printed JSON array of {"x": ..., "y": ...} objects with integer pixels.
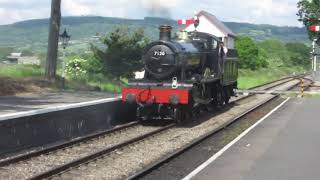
[{"x": 182, "y": 75}]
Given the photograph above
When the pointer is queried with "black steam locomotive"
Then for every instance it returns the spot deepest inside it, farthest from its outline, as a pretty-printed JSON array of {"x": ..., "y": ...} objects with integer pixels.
[{"x": 182, "y": 75}]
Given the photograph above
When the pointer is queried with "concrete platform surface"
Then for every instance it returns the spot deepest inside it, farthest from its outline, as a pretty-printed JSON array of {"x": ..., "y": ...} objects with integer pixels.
[
  {"x": 284, "y": 146},
  {"x": 29, "y": 102}
]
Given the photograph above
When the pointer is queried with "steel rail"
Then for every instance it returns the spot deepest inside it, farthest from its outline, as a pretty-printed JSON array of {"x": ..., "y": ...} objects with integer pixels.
[
  {"x": 291, "y": 78},
  {"x": 284, "y": 78}
]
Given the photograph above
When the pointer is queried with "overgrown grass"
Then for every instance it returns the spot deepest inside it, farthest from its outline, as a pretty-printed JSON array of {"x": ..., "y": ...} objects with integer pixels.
[
  {"x": 20, "y": 71},
  {"x": 99, "y": 82},
  {"x": 248, "y": 78}
]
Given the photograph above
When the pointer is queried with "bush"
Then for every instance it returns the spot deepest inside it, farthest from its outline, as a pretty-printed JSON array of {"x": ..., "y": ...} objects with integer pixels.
[
  {"x": 123, "y": 53},
  {"x": 76, "y": 67}
]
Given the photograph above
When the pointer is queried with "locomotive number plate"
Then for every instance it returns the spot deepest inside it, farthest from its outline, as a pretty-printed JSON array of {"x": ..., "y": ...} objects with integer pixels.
[{"x": 159, "y": 53}]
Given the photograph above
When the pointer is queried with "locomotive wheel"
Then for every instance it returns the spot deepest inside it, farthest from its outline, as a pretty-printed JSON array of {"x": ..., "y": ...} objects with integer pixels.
[
  {"x": 138, "y": 114},
  {"x": 178, "y": 115},
  {"x": 227, "y": 96},
  {"x": 227, "y": 100},
  {"x": 141, "y": 115},
  {"x": 220, "y": 99}
]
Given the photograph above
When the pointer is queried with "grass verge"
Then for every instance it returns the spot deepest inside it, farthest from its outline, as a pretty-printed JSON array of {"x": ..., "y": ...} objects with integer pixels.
[
  {"x": 20, "y": 71},
  {"x": 248, "y": 78},
  {"x": 97, "y": 82}
]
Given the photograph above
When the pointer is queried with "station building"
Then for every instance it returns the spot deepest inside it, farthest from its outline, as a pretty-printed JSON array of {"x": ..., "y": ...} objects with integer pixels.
[{"x": 212, "y": 25}]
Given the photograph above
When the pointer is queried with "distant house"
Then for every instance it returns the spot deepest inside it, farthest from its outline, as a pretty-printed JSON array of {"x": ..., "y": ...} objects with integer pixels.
[
  {"x": 17, "y": 58},
  {"x": 211, "y": 25},
  {"x": 16, "y": 54}
]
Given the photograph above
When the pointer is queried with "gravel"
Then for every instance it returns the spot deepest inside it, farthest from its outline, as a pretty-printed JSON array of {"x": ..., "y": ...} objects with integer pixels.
[{"x": 28, "y": 168}]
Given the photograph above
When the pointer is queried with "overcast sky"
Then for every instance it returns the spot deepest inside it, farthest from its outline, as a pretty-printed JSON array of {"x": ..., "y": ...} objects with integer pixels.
[{"x": 277, "y": 12}]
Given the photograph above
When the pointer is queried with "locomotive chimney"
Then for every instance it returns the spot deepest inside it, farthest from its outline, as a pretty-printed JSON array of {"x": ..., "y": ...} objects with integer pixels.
[{"x": 165, "y": 32}]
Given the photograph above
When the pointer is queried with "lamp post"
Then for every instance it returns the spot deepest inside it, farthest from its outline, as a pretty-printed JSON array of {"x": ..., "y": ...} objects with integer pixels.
[{"x": 65, "y": 38}]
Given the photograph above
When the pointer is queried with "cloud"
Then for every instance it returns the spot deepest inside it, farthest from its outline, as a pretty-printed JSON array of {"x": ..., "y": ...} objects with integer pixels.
[
  {"x": 17, "y": 10},
  {"x": 72, "y": 7},
  {"x": 278, "y": 12}
]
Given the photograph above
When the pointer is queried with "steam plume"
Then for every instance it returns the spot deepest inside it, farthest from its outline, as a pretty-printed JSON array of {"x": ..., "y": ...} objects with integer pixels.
[{"x": 159, "y": 8}]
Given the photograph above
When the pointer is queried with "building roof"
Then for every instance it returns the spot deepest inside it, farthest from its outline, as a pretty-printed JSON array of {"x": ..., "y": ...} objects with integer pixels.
[{"x": 214, "y": 20}]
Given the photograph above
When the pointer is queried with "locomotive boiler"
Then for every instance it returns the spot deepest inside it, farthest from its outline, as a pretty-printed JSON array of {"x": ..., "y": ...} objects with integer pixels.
[{"x": 183, "y": 75}]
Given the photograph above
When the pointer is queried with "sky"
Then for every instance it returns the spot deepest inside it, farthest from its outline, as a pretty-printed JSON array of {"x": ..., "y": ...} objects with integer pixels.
[{"x": 276, "y": 12}]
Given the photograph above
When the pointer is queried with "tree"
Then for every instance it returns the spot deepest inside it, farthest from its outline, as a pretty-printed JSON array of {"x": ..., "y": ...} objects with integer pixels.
[
  {"x": 309, "y": 14},
  {"x": 299, "y": 54},
  {"x": 249, "y": 55},
  {"x": 276, "y": 51},
  {"x": 53, "y": 40},
  {"x": 123, "y": 53}
]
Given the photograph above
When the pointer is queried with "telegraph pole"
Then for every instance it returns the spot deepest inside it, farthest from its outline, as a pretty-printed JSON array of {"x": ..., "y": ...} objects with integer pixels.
[{"x": 53, "y": 40}]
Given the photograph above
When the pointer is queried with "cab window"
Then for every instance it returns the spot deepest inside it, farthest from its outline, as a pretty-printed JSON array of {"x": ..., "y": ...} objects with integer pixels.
[{"x": 214, "y": 44}]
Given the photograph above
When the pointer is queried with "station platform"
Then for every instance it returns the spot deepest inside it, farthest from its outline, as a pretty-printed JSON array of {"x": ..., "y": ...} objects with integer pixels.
[
  {"x": 283, "y": 145},
  {"x": 33, "y": 102},
  {"x": 37, "y": 120}
]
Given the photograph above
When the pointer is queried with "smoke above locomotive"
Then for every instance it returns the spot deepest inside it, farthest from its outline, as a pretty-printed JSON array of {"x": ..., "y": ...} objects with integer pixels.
[{"x": 159, "y": 8}]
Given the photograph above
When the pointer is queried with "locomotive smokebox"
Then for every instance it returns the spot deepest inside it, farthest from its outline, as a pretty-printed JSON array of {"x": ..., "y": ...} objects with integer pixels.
[{"x": 165, "y": 32}]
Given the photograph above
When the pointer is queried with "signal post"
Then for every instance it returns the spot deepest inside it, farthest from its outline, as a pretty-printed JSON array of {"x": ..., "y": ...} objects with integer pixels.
[
  {"x": 314, "y": 56},
  {"x": 315, "y": 28}
]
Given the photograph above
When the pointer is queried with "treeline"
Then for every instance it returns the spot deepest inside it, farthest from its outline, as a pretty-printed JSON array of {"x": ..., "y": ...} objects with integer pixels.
[
  {"x": 116, "y": 56},
  {"x": 271, "y": 53}
]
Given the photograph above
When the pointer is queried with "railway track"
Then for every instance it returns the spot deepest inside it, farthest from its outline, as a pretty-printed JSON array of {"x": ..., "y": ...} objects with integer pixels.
[
  {"x": 36, "y": 164},
  {"x": 60, "y": 161},
  {"x": 157, "y": 164}
]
